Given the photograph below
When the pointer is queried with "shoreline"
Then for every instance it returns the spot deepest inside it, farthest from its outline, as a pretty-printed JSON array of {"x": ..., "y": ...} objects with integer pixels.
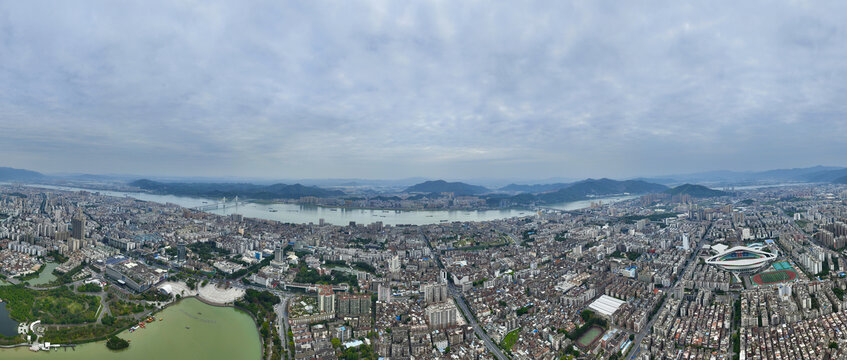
[{"x": 157, "y": 311}]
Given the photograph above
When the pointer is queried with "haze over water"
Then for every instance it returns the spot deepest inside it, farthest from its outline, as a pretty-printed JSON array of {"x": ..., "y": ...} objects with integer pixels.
[{"x": 304, "y": 214}]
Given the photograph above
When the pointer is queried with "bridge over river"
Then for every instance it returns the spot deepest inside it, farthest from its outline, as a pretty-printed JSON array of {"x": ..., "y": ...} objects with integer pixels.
[{"x": 223, "y": 204}]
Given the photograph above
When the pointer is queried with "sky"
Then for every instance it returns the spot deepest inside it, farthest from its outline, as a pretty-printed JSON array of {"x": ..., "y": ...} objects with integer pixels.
[{"x": 394, "y": 89}]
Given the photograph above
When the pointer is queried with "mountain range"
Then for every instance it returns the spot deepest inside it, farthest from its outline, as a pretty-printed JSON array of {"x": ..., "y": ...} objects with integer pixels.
[
  {"x": 808, "y": 174},
  {"x": 251, "y": 191},
  {"x": 552, "y": 189}
]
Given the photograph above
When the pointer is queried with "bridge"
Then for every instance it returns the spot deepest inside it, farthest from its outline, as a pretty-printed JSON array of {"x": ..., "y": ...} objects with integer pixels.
[
  {"x": 312, "y": 287},
  {"x": 220, "y": 205}
]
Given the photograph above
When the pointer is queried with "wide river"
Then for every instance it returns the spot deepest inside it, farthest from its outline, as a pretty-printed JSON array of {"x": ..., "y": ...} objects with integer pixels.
[
  {"x": 189, "y": 330},
  {"x": 304, "y": 214}
]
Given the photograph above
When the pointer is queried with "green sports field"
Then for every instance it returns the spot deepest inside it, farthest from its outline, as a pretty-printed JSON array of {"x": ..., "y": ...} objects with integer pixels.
[{"x": 774, "y": 277}]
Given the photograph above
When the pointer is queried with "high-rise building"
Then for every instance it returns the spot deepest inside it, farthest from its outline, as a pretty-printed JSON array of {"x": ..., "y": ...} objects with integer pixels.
[
  {"x": 394, "y": 264},
  {"x": 359, "y": 304},
  {"x": 326, "y": 299},
  {"x": 685, "y": 243},
  {"x": 73, "y": 244},
  {"x": 441, "y": 315},
  {"x": 279, "y": 253},
  {"x": 78, "y": 224},
  {"x": 180, "y": 249},
  {"x": 434, "y": 293},
  {"x": 383, "y": 293}
]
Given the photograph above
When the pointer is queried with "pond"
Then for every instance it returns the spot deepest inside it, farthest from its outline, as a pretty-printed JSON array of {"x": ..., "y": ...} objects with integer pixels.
[{"x": 46, "y": 275}]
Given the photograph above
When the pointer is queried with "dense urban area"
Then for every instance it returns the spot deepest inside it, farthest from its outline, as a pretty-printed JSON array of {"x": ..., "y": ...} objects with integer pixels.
[{"x": 756, "y": 273}]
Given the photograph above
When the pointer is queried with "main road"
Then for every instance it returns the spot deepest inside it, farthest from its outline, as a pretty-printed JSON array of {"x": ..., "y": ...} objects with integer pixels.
[
  {"x": 463, "y": 307},
  {"x": 281, "y": 310},
  {"x": 688, "y": 263}
]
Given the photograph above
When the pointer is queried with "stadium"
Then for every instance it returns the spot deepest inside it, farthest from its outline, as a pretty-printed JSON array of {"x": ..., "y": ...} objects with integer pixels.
[{"x": 741, "y": 259}]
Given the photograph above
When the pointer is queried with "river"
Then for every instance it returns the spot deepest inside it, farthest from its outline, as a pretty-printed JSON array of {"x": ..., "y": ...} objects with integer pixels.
[
  {"x": 190, "y": 330},
  {"x": 304, "y": 214},
  {"x": 582, "y": 204}
]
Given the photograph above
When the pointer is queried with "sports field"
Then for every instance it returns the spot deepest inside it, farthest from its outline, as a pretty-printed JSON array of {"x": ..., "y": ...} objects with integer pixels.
[
  {"x": 782, "y": 265},
  {"x": 590, "y": 336},
  {"x": 774, "y": 277}
]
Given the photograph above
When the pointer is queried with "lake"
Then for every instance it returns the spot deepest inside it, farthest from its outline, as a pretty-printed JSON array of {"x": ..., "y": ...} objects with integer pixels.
[
  {"x": 213, "y": 333},
  {"x": 304, "y": 214},
  {"x": 46, "y": 275},
  {"x": 8, "y": 327}
]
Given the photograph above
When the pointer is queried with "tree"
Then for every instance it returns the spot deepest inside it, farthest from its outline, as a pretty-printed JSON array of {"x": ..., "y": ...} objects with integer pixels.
[
  {"x": 586, "y": 315},
  {"x": 266, "y": 329},
  {"x": 116, "y": 343},
  {"x": 336, "y": 343}
]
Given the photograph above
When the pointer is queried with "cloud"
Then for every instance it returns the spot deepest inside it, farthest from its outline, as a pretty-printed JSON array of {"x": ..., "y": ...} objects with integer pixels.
[{"x": 445, "y": 89}]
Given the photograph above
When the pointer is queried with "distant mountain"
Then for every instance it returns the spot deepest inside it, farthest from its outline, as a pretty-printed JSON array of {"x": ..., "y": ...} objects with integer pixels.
[
  {"x": 439, "y": 186},
  {"x": 585, "y": 189},
  {"x": 695, "y": 191},
  {"x": 247, "y": 191},
  {"x": 12, "y": 174},
  {"x": 535, "y": 188},
  {"x": 809, "y": 174},
  {"x": 582, "y": 190},
  {"x": 827, "y": 175},
  {"x": 841, "y": 180}
]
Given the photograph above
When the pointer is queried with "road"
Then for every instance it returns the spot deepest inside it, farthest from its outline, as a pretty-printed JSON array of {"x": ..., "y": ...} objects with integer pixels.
[
  {"x": 489, "y": 344},
  {"x": 281, "y": 310},
  {"x": 463, "y": 307},
  {"x": 688, "y": 263}
]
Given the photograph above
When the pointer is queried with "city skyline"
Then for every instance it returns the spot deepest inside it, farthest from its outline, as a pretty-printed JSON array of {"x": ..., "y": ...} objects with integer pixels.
[
  {"x": 386, "y": 91},
  {"x": 468, "y": 180}
]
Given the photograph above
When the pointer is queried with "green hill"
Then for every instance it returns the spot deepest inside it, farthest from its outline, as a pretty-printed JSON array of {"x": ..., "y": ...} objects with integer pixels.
[
  {"x": 582, "y": 190},
  {"x": 439, "y": 186},
  {"x": 695, "y": 191},
  {"x": 12, "y": 174}
]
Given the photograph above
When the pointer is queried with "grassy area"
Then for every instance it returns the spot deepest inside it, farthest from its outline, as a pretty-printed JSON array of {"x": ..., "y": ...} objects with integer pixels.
[
  {"x": 311, "y": 276},
  {"x": 86, "y": 333},
  {"x": 122, "y": 308},
  {"x": 55, "y": 306},
  {"x": 261, "y": 305},
  {"x": 510, "y": 339}
]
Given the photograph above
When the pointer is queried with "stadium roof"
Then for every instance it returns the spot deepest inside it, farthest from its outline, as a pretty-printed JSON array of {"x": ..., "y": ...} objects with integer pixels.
[
  {"x": 741, "y": 258},
  {"x": 606, "y": 305}
]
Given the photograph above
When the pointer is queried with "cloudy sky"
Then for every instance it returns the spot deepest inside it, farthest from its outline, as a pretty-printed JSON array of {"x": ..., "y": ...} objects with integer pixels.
[{"x": 391, "y": 89}]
